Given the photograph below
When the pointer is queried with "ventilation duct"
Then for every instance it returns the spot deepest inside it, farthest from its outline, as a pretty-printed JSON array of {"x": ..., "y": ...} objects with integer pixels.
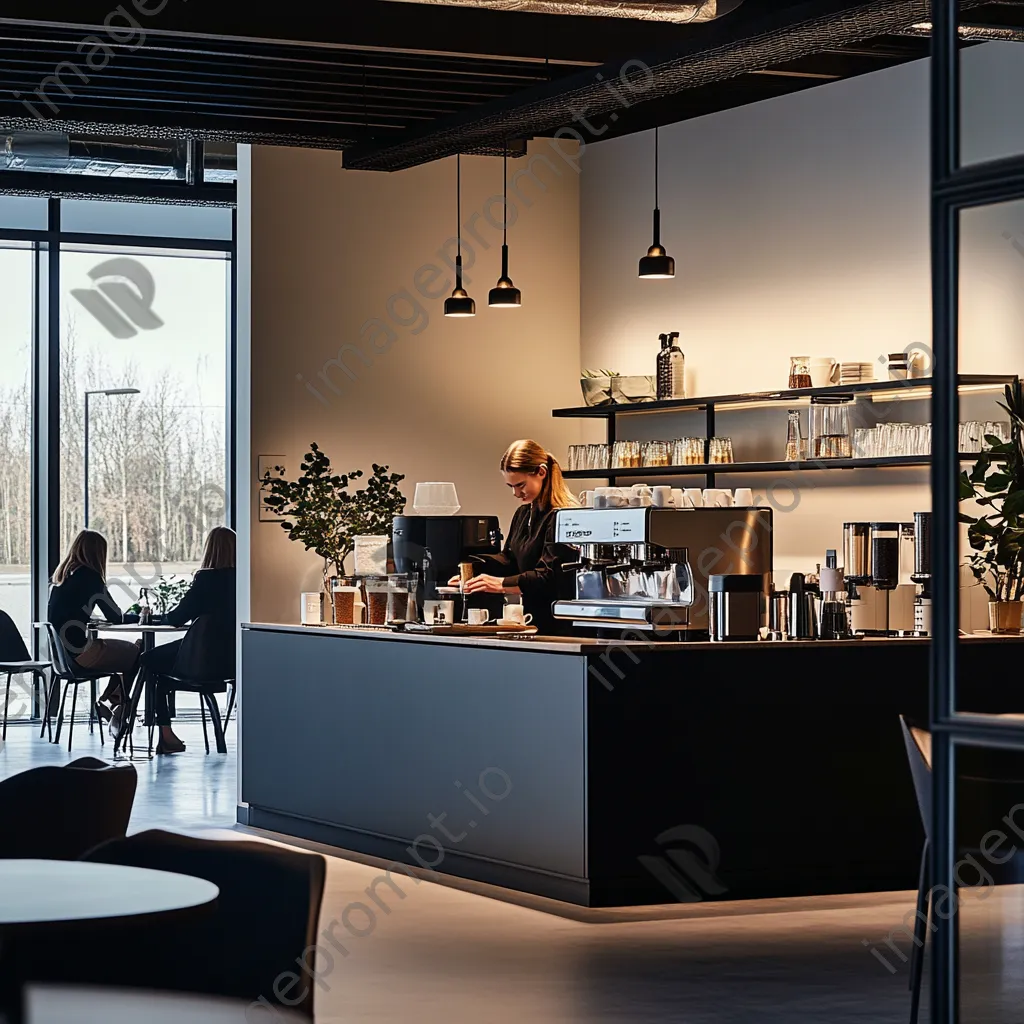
[
  {"x": 56, "y": 153},
  {"x": 673, "y": 12}
]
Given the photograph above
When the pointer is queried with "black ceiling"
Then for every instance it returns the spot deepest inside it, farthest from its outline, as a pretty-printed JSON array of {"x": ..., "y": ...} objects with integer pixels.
[{"x": 383, "y": 76}]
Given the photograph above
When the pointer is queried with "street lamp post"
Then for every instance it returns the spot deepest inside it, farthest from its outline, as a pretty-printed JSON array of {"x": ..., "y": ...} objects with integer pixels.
[{"x": 99, "y": 391}]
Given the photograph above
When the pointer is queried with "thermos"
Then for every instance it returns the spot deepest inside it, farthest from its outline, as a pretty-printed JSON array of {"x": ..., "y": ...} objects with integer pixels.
[{"x": 803, "y": 609}]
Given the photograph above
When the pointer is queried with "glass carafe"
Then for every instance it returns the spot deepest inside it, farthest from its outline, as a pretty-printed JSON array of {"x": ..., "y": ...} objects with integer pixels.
[
  {"x": 376, "y": 600},
  {"x": 401, "y": 593},
  {"x": 799, "y": 371},
  {"x": 796, "y": 445},
  {"x": 347, "y": 600}
]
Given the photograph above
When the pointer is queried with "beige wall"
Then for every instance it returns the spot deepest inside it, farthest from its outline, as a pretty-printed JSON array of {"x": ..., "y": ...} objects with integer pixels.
[
  {"x": 335, "y": 256},
  {"x": 800, "y": 225}
]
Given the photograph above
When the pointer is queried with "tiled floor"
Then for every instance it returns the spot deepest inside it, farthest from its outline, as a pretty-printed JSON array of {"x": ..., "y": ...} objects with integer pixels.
[{"x": 454, "y": 954}]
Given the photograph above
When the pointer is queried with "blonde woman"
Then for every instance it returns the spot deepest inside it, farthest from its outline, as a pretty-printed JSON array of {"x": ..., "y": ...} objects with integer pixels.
[
  {"x": 207, "y": 651},
  {"x": 79, "y": 587},
  {"x": 531, "y": 561}
]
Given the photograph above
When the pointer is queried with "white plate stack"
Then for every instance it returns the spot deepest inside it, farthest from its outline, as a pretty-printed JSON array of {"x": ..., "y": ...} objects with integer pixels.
[{"x": 856, "y": 373}]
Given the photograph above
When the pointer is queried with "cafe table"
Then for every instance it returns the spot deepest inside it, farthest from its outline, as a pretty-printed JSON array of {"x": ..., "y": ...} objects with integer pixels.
[
  {"x": 40, "y": 898},
  {"x": 59, "y": 1004},
  {"x": 144, "y": 681}
]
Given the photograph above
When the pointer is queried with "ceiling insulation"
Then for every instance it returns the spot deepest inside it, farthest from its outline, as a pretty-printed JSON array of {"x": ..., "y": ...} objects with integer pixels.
[{"x": 670, "y": 11}]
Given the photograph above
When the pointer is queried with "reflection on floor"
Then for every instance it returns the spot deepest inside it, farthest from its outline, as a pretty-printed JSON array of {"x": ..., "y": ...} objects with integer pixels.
[
  {"x": 185, "y": 791},
  {"x": 434, "y": 953}
]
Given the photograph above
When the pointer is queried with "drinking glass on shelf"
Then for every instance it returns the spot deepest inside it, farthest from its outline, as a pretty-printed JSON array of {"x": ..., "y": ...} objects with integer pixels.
[
  {"x": 998, "y": 430},
  {"x": 655, "y": 453},
  {"x": 864, "y": 442}
]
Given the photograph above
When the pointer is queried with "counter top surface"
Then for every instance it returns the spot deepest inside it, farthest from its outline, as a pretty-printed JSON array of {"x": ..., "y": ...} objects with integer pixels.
[{"x": 587, "y": 645}]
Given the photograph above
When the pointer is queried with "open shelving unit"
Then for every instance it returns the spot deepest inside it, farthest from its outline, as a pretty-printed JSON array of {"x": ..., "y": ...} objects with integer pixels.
[{"x": 882, "y": 391}]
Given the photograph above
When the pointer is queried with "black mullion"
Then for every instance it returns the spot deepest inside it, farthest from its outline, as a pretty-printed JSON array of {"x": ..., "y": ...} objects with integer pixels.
[
  {"x": 232, "y": 425},
  {"x": 53, "y": 446},
  {"x": 945, "y": 158}
]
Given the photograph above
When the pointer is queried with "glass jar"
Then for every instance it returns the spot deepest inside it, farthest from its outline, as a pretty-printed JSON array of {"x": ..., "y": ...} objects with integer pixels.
[
  {"x": 831, "y": 436},
  {"x": 796, "y": 446},
  {"x": 400, "y": 593},
  {"x": 376, "y": 600},
  {"x": 348, "y": 602},
  {"x": 799, "y": 371}
]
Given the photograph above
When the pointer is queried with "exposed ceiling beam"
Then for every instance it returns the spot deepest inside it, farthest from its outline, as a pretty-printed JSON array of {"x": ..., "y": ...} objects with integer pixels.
[
  {"x": 748, "y": 41},
  {"x": 372, "y": 23}
]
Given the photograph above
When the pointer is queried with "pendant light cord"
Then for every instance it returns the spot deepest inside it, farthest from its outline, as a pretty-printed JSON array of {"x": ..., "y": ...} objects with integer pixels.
[
  {"x": 458, "y": 203},
  {"x": 504, "y": 215},
  {"x": 656, "y": 161}
]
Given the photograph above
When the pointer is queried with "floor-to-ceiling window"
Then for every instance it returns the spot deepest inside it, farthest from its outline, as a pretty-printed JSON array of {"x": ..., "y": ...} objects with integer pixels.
[
  {"x": 16, "y": 353},
  {"x": 116, "y": 346}
]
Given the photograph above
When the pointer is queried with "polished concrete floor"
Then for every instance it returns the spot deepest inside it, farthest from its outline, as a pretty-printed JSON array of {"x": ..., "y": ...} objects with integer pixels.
[{"x": 468, "y": 954}]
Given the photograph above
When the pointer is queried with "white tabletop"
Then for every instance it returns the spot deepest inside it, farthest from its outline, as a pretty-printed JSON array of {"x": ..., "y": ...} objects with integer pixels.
[
  {"x": 135, "y": 627},
  {"x": 53, "y": 891},
  {"x": 59, "y": 1004}
]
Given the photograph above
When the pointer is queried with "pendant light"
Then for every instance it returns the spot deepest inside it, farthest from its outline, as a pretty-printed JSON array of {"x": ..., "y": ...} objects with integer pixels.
[
  {"x": 459, "y": 303},
  {"x": 657, "y": 264},
  {"x": 505, "y": 295}
]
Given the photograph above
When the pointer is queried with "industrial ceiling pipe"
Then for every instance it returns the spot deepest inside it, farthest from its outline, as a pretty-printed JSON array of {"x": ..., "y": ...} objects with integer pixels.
[{"x": 671, "y": 11}]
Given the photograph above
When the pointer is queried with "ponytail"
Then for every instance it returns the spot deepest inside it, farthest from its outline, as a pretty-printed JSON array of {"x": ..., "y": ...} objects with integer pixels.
[{"x": 528, "y": 457}]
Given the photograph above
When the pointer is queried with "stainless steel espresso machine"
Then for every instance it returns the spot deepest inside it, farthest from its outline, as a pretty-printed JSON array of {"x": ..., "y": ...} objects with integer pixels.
[{"x": 648, "y": 568}]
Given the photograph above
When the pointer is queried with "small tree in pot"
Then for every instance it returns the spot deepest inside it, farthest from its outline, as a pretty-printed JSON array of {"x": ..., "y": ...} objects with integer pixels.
[
  {"x": 996, "y": 483},
  {"x": 320, "y": 511}
]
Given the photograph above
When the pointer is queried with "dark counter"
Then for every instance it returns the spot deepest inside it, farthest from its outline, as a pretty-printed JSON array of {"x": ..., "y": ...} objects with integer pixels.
[{"x": 594, "y": 772}]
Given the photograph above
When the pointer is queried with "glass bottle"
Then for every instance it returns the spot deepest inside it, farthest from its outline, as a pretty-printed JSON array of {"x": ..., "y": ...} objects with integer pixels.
[
  {"x": 796, "y": 448},
  {"x": 145, "y": 609},
  {"x": 671, "y": 368}
]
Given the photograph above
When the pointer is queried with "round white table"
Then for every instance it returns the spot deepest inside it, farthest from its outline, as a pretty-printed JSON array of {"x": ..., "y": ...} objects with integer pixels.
[{"x": 49, "y": 892}]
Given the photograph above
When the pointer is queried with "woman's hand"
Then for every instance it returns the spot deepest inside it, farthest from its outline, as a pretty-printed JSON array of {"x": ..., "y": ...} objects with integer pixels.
[
  {"x": 485, "y": 585},
  {"x": 455, "y": 581}
]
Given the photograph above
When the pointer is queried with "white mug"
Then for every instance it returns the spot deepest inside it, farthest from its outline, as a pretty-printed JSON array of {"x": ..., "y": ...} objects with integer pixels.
[
  {"x": 823, "y": 369},
  {"x": 587, "y": 499},
  {"x": 438, "y": 612},
  {"x": 717, "y": 497},
  {"x": 661, "y": 496},
  {"x": 695, "y": 496},
  {"x": 517, "y": 614},
  {"x": 478, "y": 616},
  {"x": 744, "y": 497},
  {"x": 678, "y": 498}
]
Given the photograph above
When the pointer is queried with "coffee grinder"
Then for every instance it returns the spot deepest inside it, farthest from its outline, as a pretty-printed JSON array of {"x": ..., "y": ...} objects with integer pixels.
[{"x": 923, "y": 572}]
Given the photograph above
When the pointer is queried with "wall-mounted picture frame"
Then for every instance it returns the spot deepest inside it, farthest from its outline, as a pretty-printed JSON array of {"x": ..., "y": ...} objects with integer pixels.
[{"x": 276, "y": 466}]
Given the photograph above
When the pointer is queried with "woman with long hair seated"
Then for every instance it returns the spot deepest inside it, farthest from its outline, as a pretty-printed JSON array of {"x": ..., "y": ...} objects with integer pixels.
[
  {"x": 203, "y": 654},
  {"x": 79, "y": 587}
]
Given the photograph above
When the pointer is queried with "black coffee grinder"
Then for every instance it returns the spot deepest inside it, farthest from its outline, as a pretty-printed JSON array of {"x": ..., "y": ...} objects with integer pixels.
[{"x": 923, "y": 572}]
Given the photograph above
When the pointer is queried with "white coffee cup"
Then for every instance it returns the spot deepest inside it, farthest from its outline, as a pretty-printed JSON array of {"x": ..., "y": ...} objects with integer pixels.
[
  {"x": 695, "y": 496},
  {"x": 478, "y": 616},
  {"x": 515, "y": 613},
  {"x": 678, "y": 498},
  {"x": 744, "y": 497},
  {"x": 716, "y": 497},
  {"x": 661, "y": 496},
  {"x": 822, "y": 371},
  {"x": 436, "y": 613},
  {"x": 587, "y": 499}
]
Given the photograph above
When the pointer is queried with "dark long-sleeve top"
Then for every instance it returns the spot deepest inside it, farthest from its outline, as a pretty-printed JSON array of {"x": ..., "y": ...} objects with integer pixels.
[
  {"x": 209, "y": 652},
  {"x": 532, "y": 561},
  {"x": 71, "y": 605}
]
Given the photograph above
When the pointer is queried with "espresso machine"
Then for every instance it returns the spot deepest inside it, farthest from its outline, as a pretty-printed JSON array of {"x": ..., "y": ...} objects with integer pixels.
[
  {"x": 431, "y": 547},
  {"x": 648, "y": 568}
]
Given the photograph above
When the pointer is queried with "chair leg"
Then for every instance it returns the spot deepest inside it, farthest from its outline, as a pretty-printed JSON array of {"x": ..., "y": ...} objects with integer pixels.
[
  {"x": 71, "y": 725},
  {"x": 60, "y": 713},
  {"x": 202, "y": 714},
  {"x": 51, "y": 699},
  {"x": 7, "y": 700},
  {"x": 231, "y": 705},
  {"x": 93, "y": 694},
  {"x": 215, "y": 721},
  {"x": 920, "y": 937}
]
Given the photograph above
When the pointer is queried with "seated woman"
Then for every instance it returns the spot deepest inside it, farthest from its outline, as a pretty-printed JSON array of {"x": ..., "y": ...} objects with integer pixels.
[
  {"x": 79, "y": 586},
  {"x": 203, "y": 654}
]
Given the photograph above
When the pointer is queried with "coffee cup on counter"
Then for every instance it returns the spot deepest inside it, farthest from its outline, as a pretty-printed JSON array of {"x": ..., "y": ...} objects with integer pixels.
[
  {"x": 586, "y": 499},
  {"x": 515, "y": 615},
  {"x": 661, "y": 497},
  {"x": 477, "y": 616},
  {"x": 679, "y": 498},
  {"x": 695, "y": 497},
  {"x": 744, "y": 497},
  {"x": 715, "y": 497}
]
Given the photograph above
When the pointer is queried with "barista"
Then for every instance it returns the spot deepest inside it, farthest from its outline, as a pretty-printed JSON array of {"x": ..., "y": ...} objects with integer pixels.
[{"x": 531, "y": 562}]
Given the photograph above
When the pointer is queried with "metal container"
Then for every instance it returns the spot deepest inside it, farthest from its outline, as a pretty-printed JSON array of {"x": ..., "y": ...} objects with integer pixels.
[
  {"x": 738, "y": 606},
  {"x": 778, "y": 615},
  {"x": 803, "y": 609}
]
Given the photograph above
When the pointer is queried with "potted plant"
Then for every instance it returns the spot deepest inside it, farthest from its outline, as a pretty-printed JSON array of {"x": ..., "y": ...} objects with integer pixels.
[
  {"x": 165, "y": 595},
  {"x": 320, "y": 511},
  {"x": 996, "y": 483}
]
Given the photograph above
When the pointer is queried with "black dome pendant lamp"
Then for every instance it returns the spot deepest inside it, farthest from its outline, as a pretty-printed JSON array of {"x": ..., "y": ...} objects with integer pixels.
[
  {"x": 657, "y": 264},
  {"x": 505, "y": 295},
  {"x": 459, "y": 303}
]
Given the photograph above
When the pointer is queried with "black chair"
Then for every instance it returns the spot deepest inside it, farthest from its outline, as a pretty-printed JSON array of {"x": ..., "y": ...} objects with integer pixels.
[
  {"x": 15, "y": 660},
  {"x": 986, "y": 790},
  {"x": 65, "y": 670},
  {"x": 264, "y": 921},
  {"x": 60, "y": 813}
]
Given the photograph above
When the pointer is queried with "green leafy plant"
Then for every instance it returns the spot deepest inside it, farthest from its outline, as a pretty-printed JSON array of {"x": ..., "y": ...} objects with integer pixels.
[
  {"x": 165, "y": 595},
  {"x": 996, "y": 483},
  {"x": 324, "y": 515}
]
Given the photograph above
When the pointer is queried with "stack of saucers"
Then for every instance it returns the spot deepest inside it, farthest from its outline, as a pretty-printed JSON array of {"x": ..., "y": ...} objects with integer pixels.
[{"x": 856, "y": 373}]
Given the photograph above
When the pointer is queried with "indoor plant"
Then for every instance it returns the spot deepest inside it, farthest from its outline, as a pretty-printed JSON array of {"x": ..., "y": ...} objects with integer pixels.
[
  {"x": 320, "y": 511},
  {"x": 996, "y": 483}
]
